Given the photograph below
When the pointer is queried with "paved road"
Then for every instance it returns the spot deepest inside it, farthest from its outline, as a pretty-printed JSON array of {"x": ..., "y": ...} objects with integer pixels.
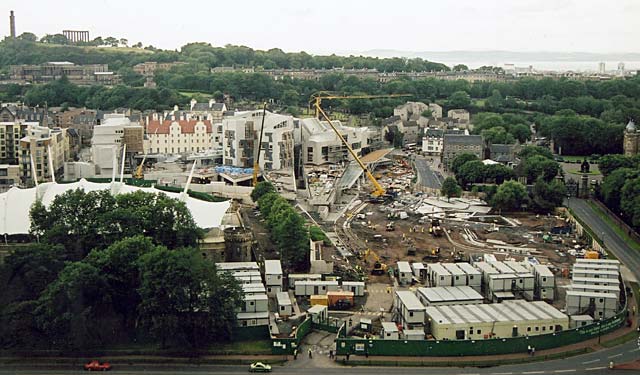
[
  {"x": 426, "y": 176},
  {"x": 611, "y": 239}
]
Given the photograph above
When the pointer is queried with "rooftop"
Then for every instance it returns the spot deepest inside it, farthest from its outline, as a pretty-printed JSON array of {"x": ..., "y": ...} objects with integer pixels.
[
  {"x": 409, "y": 300},
  {"x": 272, "y": 267}
]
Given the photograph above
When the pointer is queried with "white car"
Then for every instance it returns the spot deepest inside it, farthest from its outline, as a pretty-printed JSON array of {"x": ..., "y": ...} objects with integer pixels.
[{"x": 260, "y": 367}]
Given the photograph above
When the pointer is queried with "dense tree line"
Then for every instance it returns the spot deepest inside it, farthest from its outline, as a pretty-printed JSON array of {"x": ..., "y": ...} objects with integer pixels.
[
  {"x": 286, "y": 226},
  {"x": 113, "y": 270},
  {"x": 620, "y": 189}
]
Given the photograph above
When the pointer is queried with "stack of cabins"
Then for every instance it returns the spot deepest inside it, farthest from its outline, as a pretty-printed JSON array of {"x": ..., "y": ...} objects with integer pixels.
[
  {"x": 595, "y": 289},
  {"x": 254, "y": 311}
]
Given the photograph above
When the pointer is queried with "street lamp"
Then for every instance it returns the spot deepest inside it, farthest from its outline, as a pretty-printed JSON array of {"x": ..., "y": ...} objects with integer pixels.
[{"x": 599, "y": 331}]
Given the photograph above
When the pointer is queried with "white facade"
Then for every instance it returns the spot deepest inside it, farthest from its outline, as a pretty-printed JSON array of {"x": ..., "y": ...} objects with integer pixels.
[
  {"x": 357, "y": 287},
  {"x": 107, "y": 141},
  {"x": 315, "y": 287},
  {"x": 172, "y": 137},
  {"x": 241, "y": 134},
  {"x": 458, "y": 276},
  {"x": 598, "y": 305},
  {"x": 405, "y": 274},
  {"x": 474, "y": 277},
  {"x": 545, "y": 282},
  {"x": 438, "y": 275},
  {"x": 409, "y": 308},
  {"x": 294, "y": 277},
  {"x": 285, "y": 307},
  {"x": 321, "y": 145},
  {"x": 273, "y": 276}
]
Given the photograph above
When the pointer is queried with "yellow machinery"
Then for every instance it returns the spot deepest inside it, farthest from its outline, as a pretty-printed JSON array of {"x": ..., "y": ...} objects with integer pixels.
[
  {"x": 256, "y": 158},
  {"x": 138, "y": 174},
  {"x": 378, "y": 189},
  {"x": 379, "y": 268},
  {"x": 317, "y": 98}
]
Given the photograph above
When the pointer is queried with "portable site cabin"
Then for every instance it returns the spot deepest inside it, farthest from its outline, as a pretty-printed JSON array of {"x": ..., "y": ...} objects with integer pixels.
[
  {"x": 413, "y": 334},
  {"x": 285, "y": 307},
  {"x": 515, "y": 283},
  {"x": 321, "y": 299},
  {"x": 237, "y": 266},
  {"x": 273, "y": 276},
  {"x": 599, "y": 305},
  {"x": 319, "y": 314},
  {"x": 255, "y": 303},
  {"x": 404, "y": 273},
  {"x": 247, "y": 277},
  {"x": 545, "y": 282},
  {"x": 517, "y": 267},
  {"x": 474, "y": 277},
  {"x": 366, "y": 324},
  {"x": 599, "y": 261},
  {"x": 314, "y": 287},
  {"x": 438, "y": 275},
  {"x": 357, "y": 287},
  {"x": 419, "y": 271},
  {"x": 250, "y": 319},
  {"x": 597, "y": 274},
  {"x": 390, "y": 331},
  {"x": 613, "y": 289},
  {"x": 502, "y": 267},
  {"x": 294, "y": 277},
  {"x": 498, "y": 320},
  {"x": 449, "y": 295},
  {"x": 486, "y": 269},
  {"x": 410, "y": 309},
  {"x": 253, "y": 289},
  {"x": 340, "y": 299},
  {"x": 596, "y": 267},
  {"x": 594, "y": 281},
  {"x": 458, "y": 276},
  {"x": 577, "y": 321}
]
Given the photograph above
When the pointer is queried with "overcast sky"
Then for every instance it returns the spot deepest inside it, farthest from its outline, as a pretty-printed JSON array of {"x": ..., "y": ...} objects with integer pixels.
[{"x": 343, "y": 26}]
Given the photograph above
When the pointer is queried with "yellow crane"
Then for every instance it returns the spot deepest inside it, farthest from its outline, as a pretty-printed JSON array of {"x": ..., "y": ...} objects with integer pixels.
[
  {"x": 317, "y": 98},
  {"x": 379, "y": 268},
  {"x": 256, "y": 159},
  {"x": 378, "y": 189}
]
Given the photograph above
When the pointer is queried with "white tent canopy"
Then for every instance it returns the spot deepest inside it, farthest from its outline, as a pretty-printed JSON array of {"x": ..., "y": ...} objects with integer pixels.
[{"x": 16, "y": 203}]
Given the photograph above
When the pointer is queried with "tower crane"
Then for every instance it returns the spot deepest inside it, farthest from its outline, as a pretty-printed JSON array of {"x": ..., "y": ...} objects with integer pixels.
[
  {"x": 256, "y": 162},
  {"x": 317, "y": 98}
]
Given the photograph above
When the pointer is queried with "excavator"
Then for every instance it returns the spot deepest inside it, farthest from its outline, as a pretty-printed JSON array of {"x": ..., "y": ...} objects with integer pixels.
[{"x": 379, "y": 268}]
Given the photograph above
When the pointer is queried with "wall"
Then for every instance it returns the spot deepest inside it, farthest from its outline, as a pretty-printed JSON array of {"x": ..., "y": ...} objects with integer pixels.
[{"x": 284, "y": 346}]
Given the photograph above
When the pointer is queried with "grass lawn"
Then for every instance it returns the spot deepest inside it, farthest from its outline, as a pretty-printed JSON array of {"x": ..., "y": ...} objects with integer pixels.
[{"x": 574, "y": 158}]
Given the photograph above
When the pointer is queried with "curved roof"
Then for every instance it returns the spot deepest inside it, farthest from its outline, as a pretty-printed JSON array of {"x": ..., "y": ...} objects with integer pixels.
[{"x": 16, "y": 203}]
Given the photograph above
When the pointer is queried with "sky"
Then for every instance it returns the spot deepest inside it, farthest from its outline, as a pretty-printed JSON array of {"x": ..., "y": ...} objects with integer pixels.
[{"x": 343, "y": 26}]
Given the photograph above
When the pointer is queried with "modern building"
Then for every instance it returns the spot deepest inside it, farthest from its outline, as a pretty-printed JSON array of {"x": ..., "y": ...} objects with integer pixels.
[
  {"x": 321, "y": 144},
  {"x": 494, "y": 321},
  {"x": 108, "y": 139},
  {"x": 9, "y": 176},
  {"x": 454, "y": 145},
  {"x": 83, "y": 75},
  {"x": 241, "y": 134},
  {"x": 449, "y": 295},
  {"x": 273, "y": 276},
  {"x": 408, "y": 309},
  {"x": 46, "y": 149}
]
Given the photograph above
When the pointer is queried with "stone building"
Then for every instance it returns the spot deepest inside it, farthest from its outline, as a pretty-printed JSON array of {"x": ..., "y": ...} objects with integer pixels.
[
  {"x": 454, "y": 145},
  {"x": 631, "y": 143}
]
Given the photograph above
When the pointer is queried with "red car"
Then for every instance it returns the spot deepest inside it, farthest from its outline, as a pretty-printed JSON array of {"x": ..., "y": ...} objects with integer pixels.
[{"x": 97, "y": 366}]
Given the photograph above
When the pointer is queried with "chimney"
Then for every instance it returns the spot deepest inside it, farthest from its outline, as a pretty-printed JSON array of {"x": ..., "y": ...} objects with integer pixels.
[
  {"x": 12, "y": 25},
  {"x": 193, "y": 103}
]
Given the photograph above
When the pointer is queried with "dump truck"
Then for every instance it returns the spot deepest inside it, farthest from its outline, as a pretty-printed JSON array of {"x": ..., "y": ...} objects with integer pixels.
[{"x": 435, "y": 229}]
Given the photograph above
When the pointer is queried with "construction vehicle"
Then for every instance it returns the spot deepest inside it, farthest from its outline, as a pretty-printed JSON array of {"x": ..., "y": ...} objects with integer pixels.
[
  {"x": 317, "y": 98},
  {"x": 433, "y": 256},
  {"x": 391, "y": 227},
  {"x": 379, "y": 268},
  {"x": 256, "y": 161},
  {"x": 138, "y": 173},
  {"x": 435, "y": 229},
  {"x": 591, "y": 254}
]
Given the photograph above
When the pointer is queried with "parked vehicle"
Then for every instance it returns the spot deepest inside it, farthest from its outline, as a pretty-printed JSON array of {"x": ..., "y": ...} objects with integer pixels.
[
  {"x": 97, "y": 366},
  {"x": 260, "y": 367}
]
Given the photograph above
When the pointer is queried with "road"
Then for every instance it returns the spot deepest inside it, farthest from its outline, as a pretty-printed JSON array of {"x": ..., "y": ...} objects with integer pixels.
[
  {"x": 611, "y": 239},
  {"x": 426, "y": 176}
]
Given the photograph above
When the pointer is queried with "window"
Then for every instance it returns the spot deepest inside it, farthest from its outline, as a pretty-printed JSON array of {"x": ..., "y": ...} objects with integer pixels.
[
  {"x": 528, "y": 329},
  {"x": 537, "y": 329},
  {"x": 411, "y": 313},
  {"x": 471, "y": 330},
  {"x": 544, "y": 328},
  {"x": 479, "y": 332}
]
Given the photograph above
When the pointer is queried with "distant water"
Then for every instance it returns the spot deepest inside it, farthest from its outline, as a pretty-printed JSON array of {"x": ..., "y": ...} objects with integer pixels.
[{"x": 577, "y": 66}]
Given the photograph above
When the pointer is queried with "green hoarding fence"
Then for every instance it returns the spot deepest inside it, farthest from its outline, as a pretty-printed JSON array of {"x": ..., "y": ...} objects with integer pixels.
[
  {"x": 286, "y": 346},
  {"x": 446, "y": 348}
]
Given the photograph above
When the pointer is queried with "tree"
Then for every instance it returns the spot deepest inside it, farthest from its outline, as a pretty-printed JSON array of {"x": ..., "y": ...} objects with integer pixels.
[
  {"x": 55, "y": 39},
  {"x": 460, "y": 68},
  {"x": 538, "y": 166},
  {"x": 609, "y": 163},
  {"x": 261, "y": 189},
  {"x": 185, "y": 300},
  {"x": 510, "y": 196},
  {"x": 460, "y": 160},
  {"x": 124, "y": 42},
  {"x": 521, "y": 132},
  {"x": 29, "y": 37},
  {"x": 427, "y": 113},
  {"x": 450, "y": 188},
  {"x": 630, "y": 201},
  {"x": 498, "y": 135},
  {"x": 111, "y": 41},
  {"x": 459, "y": 99},
  {"x": 498, "y": 173},
  {"x": 470, "y": 172},
  {"x": 529, "y": 151},
  {"x": 612, "y": 185},
  {"x": 548, "y": 195}
]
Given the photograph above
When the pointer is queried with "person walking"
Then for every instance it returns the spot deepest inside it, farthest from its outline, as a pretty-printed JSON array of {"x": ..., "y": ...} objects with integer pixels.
[
  {"x": 295, "y": 354},
  {"x": 310, "y": 354},
  {"x": 330, "y": 354}
]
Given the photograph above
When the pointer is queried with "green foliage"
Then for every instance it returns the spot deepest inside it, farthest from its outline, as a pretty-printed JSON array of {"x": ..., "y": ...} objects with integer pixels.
[
  {"x": 510, "y": 196},
  {"x": 184, "y": 299},
  {"x": 82, "y": 221},
  {"x": 262, "y": 188},
  {"x": 609, "y": 163},
  {"x": 498, "y": 135},
  {"x": 538, "y": 166},
  {"x": 459, "y": 99},
  {"x": 317, "y": 234},
  {"x": 612, "y": 184},
  {"x": 630, "y": 201},
  {"x": 548, "y": 195},
  {"x": 460, "y": 160},
  {"x": 529, "y": 151},
  {"x": 450, "y": 188},
  {"x": 470, "y": 172}
]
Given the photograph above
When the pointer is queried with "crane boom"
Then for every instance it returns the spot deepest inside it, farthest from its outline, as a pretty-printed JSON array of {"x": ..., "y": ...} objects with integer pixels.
[
  {"x": 256, "y": 162},
  {"x": 317, "y": 98},
  {"x": 378, "y": 189}
]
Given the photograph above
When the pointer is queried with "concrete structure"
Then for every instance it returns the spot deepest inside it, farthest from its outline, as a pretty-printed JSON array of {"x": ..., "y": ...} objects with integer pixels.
[
  {"x": 449, "y": 295},
  {"x": 179, "y": 136},
  {"x": 389, "y": 331},
  {"x": 285, "y": 307},
  {"x": 408, "y": 309},
  {"x": 596, "y": 304},
  {"x": 12, "y": 25},
  {"x": 11, "y": 131},
  {"x": 405, "y": 274},
  {"x": 503, "y": 320},
  {"x": 295, "y": 277},
  {"x": 357, "y": 287},
  {"x": 83, "y": 75},
  {"x": 41, "y": 143},
  {"x": 438, "y": 275},
  {"x": 238, "y": 244},
  {"x": 314, "y": 287},
  {"x": 321, "y": 145},
  {"x": 319, "y": 314},
  {"x": 241, "y": 135},
  {"x": 454, "y": 145},
  {"x": 458, "y": 276},
  {"x": 9, "y": 176},
  {"x": 419, "y": 271},
  {"x": 474, "y": 277},
  {"x": 108, "y": 140},
  {"x": 75, "y": 36},
  {"x": 273, "y": 276},
  {"x": 545, "y": 282}
]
